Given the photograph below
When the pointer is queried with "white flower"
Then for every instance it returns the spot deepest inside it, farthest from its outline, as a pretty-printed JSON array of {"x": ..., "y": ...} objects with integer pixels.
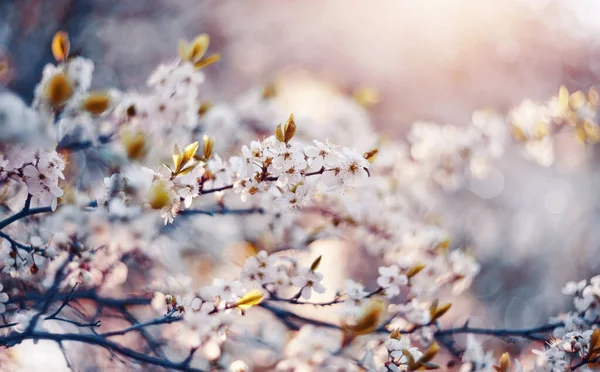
[
  {"x": 311, "y": 344},
  {"x": 308, "y": 280},
  {"x": 226, "y": 291},
  {"x": 176, "y": 78},
  {"x": 255, "y": 151},
  {"x": 322, "y": 155},
  {"x": 244, "y": 167},
  {"x": 356, "y": 297},
  {"x": 541, "y": 151},
  {"x": 294, "y": 199},
  {"x": 532, "y": 118},
  {"x": 416, "y": 312},
  {"x": 572, "y": 288},
  {"x": 576, "y": 342},
  {"x": 289, "y": 165},
  {"x": 35, "y": 180},
  {"x": 216, "y": 165},
  {"x": 80, "y": 72},
  {"x": 354, "y": 289},
  {"x": 43, "y": 186},
  {"x": 188, "y": 302},
  {"x": 465, "y": 267},
  {"x": 390, "y": 367},
  {"x": 354, "y": 167},
  {"x": 273, "y": 146},
  {"x": 260, "y": 268},
  {"x": 22, "y": 318},
  {"x": 247, "y": 187},
  {"x": 51, "y": 164},
  {"x": 3, "y": 299},
  {"x": 391, "y": 279},
  {"x": 551, "y": 359},
  {"x": 474, "y": 357},
  {"x": 188, "y": 185},
  {"x": 395, "y": 348},
  {"x": 15, "y": 259},
  {"x": 238, "y": 366}
]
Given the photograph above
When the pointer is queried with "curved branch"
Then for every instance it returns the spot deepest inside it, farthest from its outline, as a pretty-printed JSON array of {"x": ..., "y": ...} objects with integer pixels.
[
  {"x": 14, "y": 243},
  {"x": 90, "y": 339},
  {"x": 26, "y": 211},
  {"x": 289, "y": 318}
]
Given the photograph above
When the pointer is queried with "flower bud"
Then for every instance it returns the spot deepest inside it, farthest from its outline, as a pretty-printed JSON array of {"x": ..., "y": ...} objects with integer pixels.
[
  {"x": 58, "y": 90},
  {"x": 286, "y": 133},
  {"x": 504, "y": 363},
  {"x": 316, "y": 263},
  {"x": 414, "y": 270},
  {"x": 96, "y": 103},
  {"x": 269, "y": 91},
  {"x": 209, "y": 144},
  {"x": 371, "y": 155},
  {"x": 60, "y": 46},
  {"x": 239, "y": 366},
  {"x": 195, "y": 50},
  {"x": 50, "y": 252},
  {"x": 366, "y": 96},
  {"x": 159, "y": 195},
  {"x": 203, "y": 108},
  {"x": 134, "y": 142}
]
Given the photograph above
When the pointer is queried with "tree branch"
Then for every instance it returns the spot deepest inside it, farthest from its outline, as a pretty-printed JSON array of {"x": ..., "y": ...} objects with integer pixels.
[
  {"x": 15, "y": 338},
  {"x": 26, "y": 211},
  {"x": 222, "y": 210},
  {"x": 166, "y": 319}
]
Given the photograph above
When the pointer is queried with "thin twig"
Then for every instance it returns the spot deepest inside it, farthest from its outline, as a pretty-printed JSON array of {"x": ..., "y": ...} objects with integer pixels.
[
  {"x": 166, "y": 319},
  {"x": 14, "y": 243}
]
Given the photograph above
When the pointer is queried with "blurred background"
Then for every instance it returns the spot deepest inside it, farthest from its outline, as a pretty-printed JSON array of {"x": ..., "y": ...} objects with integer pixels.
[{"x": 532, "y": 228}]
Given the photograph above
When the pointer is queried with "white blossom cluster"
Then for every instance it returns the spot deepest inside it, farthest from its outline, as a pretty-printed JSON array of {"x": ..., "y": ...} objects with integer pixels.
[
  {"x": 37, "y": 171},
  {"x": 134, "y": 214},
  {"x": 534, "y": 123},
  {"x": 574, "y": 335},
  {"x": 449, "y": 153}
]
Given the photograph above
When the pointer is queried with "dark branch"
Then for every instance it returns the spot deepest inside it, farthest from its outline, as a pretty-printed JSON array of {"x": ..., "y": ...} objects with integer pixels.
[
  {"x": 166, "y": 319},
  {"x": 91, "y": 339},
  {"x": 26, "y": 211},
  {"x": 529, "y": 333},
  {"x": 14, "y": 243},
  {"x": 84, "y": 145},
  {"x": 222, "y": 211},
  {"x": 89, "y": 294}
]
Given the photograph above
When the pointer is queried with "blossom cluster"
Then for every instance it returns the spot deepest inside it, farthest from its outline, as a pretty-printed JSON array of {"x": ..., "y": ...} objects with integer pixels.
[
  {"x": 34, "y": 170},
  {"x": 116, "y": 223},
  {"x": 577, "y": 334}
]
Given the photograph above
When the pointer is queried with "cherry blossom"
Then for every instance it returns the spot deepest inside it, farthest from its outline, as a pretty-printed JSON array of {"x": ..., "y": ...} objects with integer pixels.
[
  {"x": 187, "y": 248},
  {"x": 3, "y": 299},
  {"x": 308, "y": 280},
  {"x": 392, "y": 280}
]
